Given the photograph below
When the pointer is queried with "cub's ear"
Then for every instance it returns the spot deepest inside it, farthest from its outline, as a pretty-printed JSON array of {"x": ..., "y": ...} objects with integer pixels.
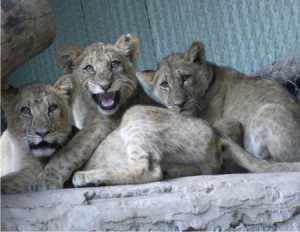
[
  {"x": 130, "y": 46},
  {"x": 66, "y": 86},
  {"x": 4, "y": 83},
  {"x": 195, "y": 53},
  {"x": 8, "y": 92},
  {"x": 68, "y": 57},
  {"x": 146, "y": 78}
]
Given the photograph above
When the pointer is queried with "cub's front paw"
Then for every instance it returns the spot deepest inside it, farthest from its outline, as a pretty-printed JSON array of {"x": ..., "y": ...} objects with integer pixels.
[
  {"x": 10, "y": 185},
  {"x": 46, "y": 181},
  {"x": 87, "y": 179},
  {"x": 79, "y": 179}
]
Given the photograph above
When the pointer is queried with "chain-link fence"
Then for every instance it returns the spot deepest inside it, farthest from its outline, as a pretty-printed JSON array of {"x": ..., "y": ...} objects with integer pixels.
[
  {"x": 244, "y": 34},
  {"x": 247, "y": 35}
]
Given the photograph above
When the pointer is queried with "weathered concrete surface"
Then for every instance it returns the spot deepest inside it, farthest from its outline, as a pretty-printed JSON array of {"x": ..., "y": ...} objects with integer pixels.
[{"x": 225, "y": 202}]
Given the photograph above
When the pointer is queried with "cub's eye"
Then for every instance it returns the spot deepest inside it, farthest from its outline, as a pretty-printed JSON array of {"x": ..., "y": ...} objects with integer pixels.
[
  {"x": 52, "y": 108},
  {"x": 164, "y": 85},
  {"x": 89, "y": 68},
  {"x": 25, "y": 110},
  {"x": 185, "y": 78},
  {"x": 114, "y": 64}
]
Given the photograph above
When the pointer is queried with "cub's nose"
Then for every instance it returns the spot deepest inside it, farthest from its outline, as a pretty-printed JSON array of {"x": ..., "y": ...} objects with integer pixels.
[
  {"x": 105, "y": 86},
  {"x": 179, "y": 103},
  {"x": 42, "y": 133}
]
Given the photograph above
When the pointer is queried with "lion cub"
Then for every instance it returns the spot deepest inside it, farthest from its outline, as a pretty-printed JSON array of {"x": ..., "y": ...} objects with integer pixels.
[
  {"x": 108, "y": 86},
  {"x": 39, "y": 122},
  {"x": 149, "y": 142},
  {"x": 270, "y": 117},
  {"x": 106, "y": 77}
]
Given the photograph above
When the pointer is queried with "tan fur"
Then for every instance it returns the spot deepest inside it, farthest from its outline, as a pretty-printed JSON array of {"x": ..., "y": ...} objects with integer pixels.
[
  {"x": 149, "y": 142},
  {"x": 152, "y": 141},
  {"x": 135, "y": 163},
  {"x": 97, "y": 122},
  {"x": 46, "y": 118},
  {"x": 269, "y": 115}
]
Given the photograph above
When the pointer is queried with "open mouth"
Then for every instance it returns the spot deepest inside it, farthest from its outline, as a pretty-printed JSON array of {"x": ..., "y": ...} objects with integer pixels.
[
  {"x": 44, "y": 145},
  {"x": 107, "y": 101}
]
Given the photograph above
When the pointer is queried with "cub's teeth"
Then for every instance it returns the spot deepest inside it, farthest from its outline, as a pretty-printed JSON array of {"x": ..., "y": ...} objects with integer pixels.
[{"x": 107, "y": 102}]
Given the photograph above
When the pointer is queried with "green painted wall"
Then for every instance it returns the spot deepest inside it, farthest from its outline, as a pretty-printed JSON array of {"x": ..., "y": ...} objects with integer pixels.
[{"x": 244, "y": 34}]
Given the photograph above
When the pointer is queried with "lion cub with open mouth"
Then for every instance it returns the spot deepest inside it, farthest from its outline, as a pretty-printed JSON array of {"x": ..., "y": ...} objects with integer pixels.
[
  {"x": 107, "y": 87},
  {"x": 39, "y": 122}
]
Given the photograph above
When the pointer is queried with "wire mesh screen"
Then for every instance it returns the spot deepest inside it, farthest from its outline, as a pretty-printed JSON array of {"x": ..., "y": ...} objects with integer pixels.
[{"x": 244, "y": 34}]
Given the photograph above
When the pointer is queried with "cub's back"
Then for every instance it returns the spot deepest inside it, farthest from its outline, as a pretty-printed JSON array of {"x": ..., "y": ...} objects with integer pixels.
[{"x": 244, "y": 96}]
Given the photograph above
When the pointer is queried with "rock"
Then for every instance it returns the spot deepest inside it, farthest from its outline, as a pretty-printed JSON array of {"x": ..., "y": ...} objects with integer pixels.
[{"x": 224, "y": 202}]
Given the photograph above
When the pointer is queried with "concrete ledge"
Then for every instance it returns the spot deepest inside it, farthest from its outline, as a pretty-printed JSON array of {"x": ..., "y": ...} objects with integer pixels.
[{"x": 224, "y": 202}]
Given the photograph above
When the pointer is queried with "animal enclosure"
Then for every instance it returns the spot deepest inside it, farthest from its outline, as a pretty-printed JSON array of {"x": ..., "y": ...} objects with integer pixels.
[
  {"x": 258, "y": 37},
  {"x": 245, "y": 35}
]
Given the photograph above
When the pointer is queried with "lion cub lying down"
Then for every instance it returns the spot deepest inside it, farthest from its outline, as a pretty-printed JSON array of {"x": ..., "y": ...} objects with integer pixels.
[
  {"x": 269, "y": 115},
  {"x": 153, "y": 141},
  {"x": 149, "y": 142},
  {"x": 39, "y": 122}
]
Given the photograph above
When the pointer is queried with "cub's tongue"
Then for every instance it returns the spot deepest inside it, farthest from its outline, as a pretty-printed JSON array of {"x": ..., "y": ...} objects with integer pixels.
[{"x": 107, "y": 99}]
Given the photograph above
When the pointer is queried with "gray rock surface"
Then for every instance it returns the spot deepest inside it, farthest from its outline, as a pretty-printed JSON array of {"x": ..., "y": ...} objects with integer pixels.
[{"x": 224, "y": 202}]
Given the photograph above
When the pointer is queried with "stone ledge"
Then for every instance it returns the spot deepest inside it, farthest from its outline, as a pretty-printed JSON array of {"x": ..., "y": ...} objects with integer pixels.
[{"x": 224, "y": 202}]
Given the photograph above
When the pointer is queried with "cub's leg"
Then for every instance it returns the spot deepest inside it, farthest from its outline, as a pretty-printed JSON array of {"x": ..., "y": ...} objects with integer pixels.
[
  {"x": 23, "y": 170},
  {"x": 120, "y": 159},
  {"x": 138, "y": 166},
  {"x": 273, "y": 133},
  {"x": 233, "y": 129},
  {"x": 19, "y": 182},
  {"x": 131, "y": 174},
  {"x": 174, "y": 170}
]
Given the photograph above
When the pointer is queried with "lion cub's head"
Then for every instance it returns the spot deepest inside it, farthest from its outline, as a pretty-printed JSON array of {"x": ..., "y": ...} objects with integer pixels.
[
  {"x": 39, "y": 115},
  {"x": 106, "y": 72},
  {"x": 180, "y": 81}
]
